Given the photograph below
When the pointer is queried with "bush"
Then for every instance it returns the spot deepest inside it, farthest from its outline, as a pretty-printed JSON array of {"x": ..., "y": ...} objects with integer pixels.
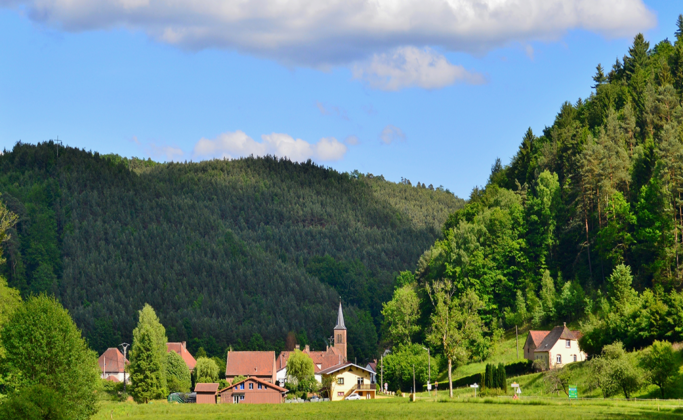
[
  {"x": 519, "y": 368},
  {"x": 43, "y": 345},
  {"x": 37, "y": 402},
  {"x": 112, "y": 390}
]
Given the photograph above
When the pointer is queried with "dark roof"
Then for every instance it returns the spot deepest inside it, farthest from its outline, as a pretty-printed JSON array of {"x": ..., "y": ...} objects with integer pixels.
[
  {"x": 538, "y": 336},
  {"x": 182, "y": 351},
  {"x": 250, "y": 363},
  {"x": 340, "y": 319},
  {"x": 206, "y": 388},
  {"x": 111, "y": 361},
  {"x": 259, "y": 380},
  {"x": 342, "y": 366},
  {"x": 557, "y": 333}
]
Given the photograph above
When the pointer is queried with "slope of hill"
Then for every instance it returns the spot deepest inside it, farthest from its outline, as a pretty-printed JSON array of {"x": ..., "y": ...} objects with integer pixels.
[{"x": 228, "y": 252}]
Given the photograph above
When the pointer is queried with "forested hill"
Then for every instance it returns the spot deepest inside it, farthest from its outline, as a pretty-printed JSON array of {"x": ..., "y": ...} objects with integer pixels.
[
  {"x": 585, "y": 222},
  {"x": 234, "y": 253}
]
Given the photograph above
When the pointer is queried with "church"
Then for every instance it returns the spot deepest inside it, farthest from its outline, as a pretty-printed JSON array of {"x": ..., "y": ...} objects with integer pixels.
[{"x": 322, "y": 360}]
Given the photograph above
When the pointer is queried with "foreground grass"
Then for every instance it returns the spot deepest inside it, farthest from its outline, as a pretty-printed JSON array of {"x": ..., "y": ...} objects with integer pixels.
[{"x": 394, "y": 408}]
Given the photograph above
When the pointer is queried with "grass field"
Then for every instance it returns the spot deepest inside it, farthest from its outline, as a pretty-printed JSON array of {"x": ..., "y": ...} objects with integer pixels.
[{"x": 399, "y": 408}]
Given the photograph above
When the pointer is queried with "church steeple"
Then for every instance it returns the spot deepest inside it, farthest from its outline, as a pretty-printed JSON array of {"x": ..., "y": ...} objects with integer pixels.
[
  {"x": 340, "y": 334},
  {"x": 340, "y": 319}
]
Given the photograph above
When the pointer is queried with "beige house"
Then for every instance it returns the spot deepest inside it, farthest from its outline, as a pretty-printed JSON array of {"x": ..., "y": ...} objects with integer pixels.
[
  {"x": 349, "y": 379},
  {"x": 555, "y": 348}
]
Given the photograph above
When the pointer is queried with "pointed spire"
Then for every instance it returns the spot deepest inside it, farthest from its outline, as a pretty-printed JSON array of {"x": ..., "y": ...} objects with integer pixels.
[{"x": 340, "y": 319}]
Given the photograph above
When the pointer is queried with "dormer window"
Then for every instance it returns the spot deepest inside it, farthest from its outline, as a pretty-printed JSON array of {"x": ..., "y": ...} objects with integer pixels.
[{"x": 568, "y": 343}]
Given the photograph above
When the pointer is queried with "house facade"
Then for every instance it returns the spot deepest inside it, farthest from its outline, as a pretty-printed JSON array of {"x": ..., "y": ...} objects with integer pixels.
[
  {"x": 112, "y": 365},
  {"x": 181, "y": 349},
  {"x": 253, "y": 391},
  {"x": 555, "y": 348},
  {"x": 348, "y": 379},
  {"x": 255, "y": 364}
]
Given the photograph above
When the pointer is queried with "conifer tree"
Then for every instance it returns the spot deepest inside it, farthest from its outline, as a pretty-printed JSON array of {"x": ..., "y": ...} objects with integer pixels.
[
  {"x": 599, "y": 77},
  {"x": 146, "y": 368}
]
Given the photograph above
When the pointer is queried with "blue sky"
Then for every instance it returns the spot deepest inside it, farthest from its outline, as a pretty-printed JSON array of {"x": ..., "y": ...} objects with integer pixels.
[{"x": 422, "y": 101}]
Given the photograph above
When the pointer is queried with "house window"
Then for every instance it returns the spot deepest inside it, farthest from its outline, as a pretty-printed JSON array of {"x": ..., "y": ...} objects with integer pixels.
[
  {"x": 340, "y": 381},
  {"x": 575, "y": 358},
  {"x": 241, "y": 386},
  {"x": 251, "y": 386},
  {"x": 242, "y": 397},
  {"x": 260, "y": 386},
  {"x": 559, "y": 358},
  {"x": 568, "y": 343}
]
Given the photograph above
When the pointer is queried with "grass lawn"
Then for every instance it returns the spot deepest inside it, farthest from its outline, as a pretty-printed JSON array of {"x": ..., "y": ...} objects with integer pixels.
[{"x": 395, "y": 408}]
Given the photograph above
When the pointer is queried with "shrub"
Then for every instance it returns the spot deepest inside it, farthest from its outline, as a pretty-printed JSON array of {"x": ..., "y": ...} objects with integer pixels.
[{"x": 37, "y": 402}]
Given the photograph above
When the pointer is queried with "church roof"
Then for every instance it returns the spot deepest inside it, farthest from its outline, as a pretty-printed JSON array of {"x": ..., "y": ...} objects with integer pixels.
[{"x": 340, "y": 319}]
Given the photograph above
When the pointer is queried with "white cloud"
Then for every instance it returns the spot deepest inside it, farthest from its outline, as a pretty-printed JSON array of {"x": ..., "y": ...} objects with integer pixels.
[
  {"x": 529, "y": 50},
  {"x": 168, "y": 153},
  {"x": 338, "y": 32},
  {"x": 236, "y": 144},
  {"x": 352, "y": 140},
  {"x": 391, "y": 133},
  {"x": 413, "y": 67},
  {"x": 332, "y": 110}
]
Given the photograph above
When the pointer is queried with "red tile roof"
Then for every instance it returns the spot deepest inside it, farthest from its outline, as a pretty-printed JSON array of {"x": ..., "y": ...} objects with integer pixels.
[
  {"x": 326, "y": 359},
  {"x": 259, "y": 380},
  {"x": 250, "y": 363},
  {"x": 113, "y": 359},
  {"x": 204, "y": 388},
  {"x": 538, "y": 337},
  {"x": 182, "y": 351}
]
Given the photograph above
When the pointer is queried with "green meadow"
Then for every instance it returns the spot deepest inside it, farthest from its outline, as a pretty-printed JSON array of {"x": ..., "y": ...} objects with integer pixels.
[{"x": 395, "y": 408}]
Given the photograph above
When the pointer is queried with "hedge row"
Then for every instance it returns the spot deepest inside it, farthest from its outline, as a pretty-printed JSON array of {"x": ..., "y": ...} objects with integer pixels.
[{"x": 511, "y": 369}]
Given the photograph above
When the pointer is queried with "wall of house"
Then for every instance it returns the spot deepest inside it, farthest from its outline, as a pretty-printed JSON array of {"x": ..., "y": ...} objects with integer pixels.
[
  {"x": 529, "y": 348},
  {"x": 118, "y": 375},
  {"x": 253, "y": 396},
  {"x": 350, "y": 375},
  {"x": 567, "y": 353},
  {"x": 206, "y": 398}
]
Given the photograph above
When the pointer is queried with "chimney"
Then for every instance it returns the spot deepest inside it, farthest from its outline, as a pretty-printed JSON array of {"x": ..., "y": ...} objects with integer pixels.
[
  {"x": 296, "y": 347},
  {"x": 184, "y": 344},
  {"x": 565, "y": 324},
  {"x": 307, "y": 349}
]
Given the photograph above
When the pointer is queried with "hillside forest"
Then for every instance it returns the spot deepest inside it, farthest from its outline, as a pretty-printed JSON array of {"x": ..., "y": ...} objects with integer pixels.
[
  {"x": 583, "y": 226},
  {"x": 249, "y": 254}
]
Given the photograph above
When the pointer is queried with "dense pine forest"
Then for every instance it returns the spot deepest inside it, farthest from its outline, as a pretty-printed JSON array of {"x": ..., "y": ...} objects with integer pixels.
[
  {"x": 585, "y": 223},
  {"x": 229, "y": 253}
]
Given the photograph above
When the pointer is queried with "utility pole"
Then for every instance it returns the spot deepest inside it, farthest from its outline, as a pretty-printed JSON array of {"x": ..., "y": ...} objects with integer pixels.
[
  {"x": 125, "y": 350},
  {"x": 429, "y": 372},
  {"x": 57, "y": 143},
  {"x": 381, "y": 372},
  {"x": 517, "y": 341},
  {"x": 414, "y": 390}
]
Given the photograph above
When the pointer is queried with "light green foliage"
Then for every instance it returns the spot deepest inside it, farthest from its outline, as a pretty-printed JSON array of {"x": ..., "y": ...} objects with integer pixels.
[
  {"x": 146, "y": 367},
  {"x": 44, "y": 346},
  {"x": 398, "y": 367},
  {"x": 206, "y": 370},
  {"x": 177, "y": 373},
  {"x": 548, "y": 296},
  {"x": 148, "y": 320},
  {"x": 10, "y": 300},
  {"x": 148, "y": 357},
  {"x": 660, "y": 364},
  {"x": 620, "y": 291},
  {"x": 616, "y": 372},
  {"x": 300, "y": 367},
  {"x": 456, "y": 327},
  {"x": 7, "y": 221},
  {"x": 558, "y": 379},
  {"x": 541, "y": 216},
  {"x": 401, "y": 314}
]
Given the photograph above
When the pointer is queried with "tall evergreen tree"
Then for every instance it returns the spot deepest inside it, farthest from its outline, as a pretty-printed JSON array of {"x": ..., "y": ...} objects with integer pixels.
[{"x": 146, "y": 367}]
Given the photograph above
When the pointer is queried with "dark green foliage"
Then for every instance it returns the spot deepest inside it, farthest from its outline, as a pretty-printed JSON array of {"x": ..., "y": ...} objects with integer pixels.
[
  {"x": 37, "y": 402},
  {"x": 210, "y": 244},
  {"x": 43, "y": 346},
  {"x": 502, "y": 377}
]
